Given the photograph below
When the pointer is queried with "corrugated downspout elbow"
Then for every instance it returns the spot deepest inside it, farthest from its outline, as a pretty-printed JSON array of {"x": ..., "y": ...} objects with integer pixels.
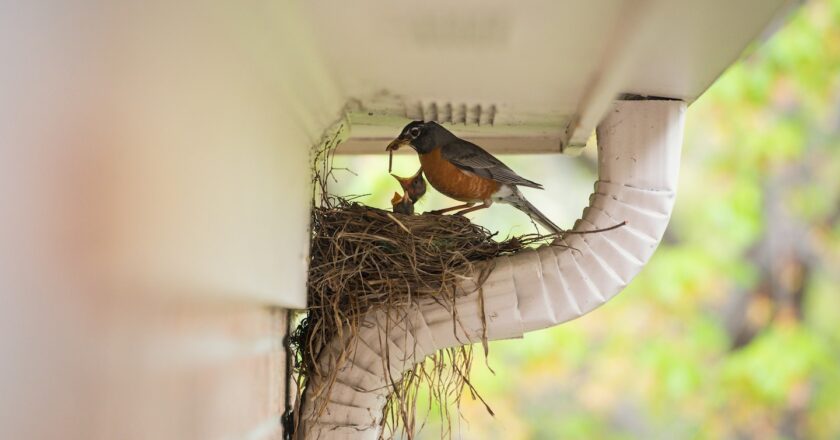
[{"x": 638, "y": 161}]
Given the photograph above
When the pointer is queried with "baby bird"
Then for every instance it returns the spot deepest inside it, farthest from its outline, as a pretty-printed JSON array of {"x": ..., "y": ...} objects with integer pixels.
[
  {"x": 402, "y": 204},
  {"x": 413, "y": 187}
]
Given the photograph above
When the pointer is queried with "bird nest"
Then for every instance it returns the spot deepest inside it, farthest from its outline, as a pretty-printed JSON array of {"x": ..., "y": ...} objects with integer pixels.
[{"x": 364, "y": 259}]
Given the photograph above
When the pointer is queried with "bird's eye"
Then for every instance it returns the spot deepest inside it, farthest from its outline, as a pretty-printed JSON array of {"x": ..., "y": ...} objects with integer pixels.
[{"x": 414, "y": 132}]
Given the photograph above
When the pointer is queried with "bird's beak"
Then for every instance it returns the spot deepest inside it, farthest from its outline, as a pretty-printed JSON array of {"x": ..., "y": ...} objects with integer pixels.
[
  {"x": 396, "y": 144},
  {"x": 404, "y": 182},
  {"x": 396, "y": 199}
]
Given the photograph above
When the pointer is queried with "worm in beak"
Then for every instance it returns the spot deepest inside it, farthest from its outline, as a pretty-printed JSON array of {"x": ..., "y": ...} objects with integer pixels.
[{"x": 394, "y": 146}]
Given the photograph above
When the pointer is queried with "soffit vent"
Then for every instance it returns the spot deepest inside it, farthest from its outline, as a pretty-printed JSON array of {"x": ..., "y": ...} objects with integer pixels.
[{"x": 447, "y": 112}]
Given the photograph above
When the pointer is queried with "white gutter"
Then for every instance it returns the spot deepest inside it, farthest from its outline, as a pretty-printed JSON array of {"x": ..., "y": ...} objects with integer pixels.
[{"x": 638, "y": 161}]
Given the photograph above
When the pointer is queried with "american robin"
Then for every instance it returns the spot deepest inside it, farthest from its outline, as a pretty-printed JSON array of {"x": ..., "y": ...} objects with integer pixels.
[
  {"x": 413, "y": 186},
  {"x": 466, "y": 172},
  {"x": 402, "y": 204}
]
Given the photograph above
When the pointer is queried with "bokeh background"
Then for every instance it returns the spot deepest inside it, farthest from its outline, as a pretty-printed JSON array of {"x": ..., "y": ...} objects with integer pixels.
[{"x": 732, "y": 329}]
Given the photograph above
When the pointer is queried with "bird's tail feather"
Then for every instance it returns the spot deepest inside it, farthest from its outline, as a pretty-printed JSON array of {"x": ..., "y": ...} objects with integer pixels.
[{"x": 518, "y": 201}]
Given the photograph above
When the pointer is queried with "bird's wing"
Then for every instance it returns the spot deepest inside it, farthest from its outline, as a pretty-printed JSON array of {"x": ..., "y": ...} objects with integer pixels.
[{"x": 472, "y": 158}]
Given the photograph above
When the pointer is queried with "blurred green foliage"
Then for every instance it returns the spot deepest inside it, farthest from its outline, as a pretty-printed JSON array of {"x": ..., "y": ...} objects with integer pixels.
[{"x": 732, "y": 329}]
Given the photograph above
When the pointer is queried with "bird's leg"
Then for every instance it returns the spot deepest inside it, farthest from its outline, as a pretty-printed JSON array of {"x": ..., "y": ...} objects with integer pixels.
[
  {"x": 485, "y": 204},
  {"x": 441, "y": 211}
]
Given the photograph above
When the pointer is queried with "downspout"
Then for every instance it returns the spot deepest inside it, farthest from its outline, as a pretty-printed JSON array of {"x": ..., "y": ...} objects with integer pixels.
[{"x": 638, "y": 161}]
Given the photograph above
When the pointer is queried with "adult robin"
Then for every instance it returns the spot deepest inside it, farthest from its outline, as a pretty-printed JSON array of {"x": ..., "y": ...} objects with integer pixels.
[{"x": 465, "y": 172}]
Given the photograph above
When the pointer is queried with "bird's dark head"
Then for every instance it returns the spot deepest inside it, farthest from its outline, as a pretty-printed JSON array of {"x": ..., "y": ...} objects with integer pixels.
[{"x": 422, "y": 136}]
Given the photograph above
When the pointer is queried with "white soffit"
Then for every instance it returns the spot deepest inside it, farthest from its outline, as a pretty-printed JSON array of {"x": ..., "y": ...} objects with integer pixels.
[{"x": 532, "y": 76}]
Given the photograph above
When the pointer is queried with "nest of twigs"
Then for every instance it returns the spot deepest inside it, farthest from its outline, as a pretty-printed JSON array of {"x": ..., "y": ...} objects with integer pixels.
[{"x": 363, "y": 259}]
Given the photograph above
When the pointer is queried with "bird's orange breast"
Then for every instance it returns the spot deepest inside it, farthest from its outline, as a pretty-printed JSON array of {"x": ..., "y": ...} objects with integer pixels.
[{"x": 454, "y": 182}]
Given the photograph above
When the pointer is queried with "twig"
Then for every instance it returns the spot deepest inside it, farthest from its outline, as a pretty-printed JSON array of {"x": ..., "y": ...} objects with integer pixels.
[
  {"x": 597, "y": 230},
  {"x": 390, "y": 216}
]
